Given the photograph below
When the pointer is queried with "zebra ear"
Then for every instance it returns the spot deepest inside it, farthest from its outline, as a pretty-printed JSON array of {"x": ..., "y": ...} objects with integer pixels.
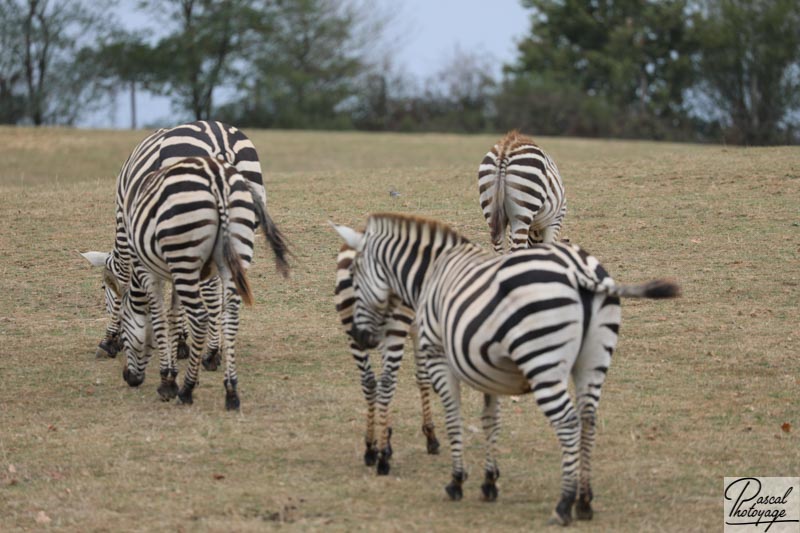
[
  {"x": 354, "y": 239},
  {"x": 97, "y": 259}
]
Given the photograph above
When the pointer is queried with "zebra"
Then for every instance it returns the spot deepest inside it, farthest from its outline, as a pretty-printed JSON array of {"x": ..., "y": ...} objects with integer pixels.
[
  {"x": 158, "y": 150},
  {"x": 185, "y": 223},
  {"x": 379, "y": 393},
  {"x": 503, "y": 324},
  {"x": 520, "y": 186}
]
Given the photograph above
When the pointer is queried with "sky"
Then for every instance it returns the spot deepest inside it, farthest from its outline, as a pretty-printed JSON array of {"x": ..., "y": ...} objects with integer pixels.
[{"x": 423, "y": 35}]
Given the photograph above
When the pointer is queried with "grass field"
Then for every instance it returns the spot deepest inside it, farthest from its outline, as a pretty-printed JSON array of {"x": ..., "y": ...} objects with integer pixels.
[{"x": 699, "y": 389}]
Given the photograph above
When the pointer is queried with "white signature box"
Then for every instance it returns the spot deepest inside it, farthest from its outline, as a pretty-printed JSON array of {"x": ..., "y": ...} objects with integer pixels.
[{"x": 761, "y": 504}]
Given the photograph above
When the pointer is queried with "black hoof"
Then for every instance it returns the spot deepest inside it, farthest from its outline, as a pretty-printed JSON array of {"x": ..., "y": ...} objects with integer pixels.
[
  {"x": 232, "y": 401},
  {"x": 563, "y": 513},
  {"x": 212, "y": 360},
  {"x": 185, "y": 395},
  {"x": 383, "y": 464},
  {"x": 583, "y": 507},
  {"x": 370, "y": 456},
  {"x": 167, "y": 391},
  {"x": 489, "y": 491},
  {"x": 183, "y": 348},
  {"x": 108, "y": 348},
  {"x": 433, "y": 446},
  {"x": 132, "y": 379},
  {"x": 454, "y": 491}
]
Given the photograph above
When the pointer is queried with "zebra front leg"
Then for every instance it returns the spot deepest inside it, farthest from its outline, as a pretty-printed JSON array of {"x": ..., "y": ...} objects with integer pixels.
[
  {"x": 424, "y": 385},
  {"x": 212, "y": 297},
  {"x": 230, "y": 327},
  {"x": 197, "y": 317},
  {"x": 369, "y": 388},
  {"x": 490, "y": 420},
  {"x": 448, "y": 388},
  {"x": 153, "y": 286},
  {"x": 387, "y": 384}
]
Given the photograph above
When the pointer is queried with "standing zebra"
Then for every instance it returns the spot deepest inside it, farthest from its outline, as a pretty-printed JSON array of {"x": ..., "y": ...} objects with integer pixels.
[
  {"x": 184, "y": 223},
  {"x": 161, "y": 149},
  {"x": 397, "y": 327},
  {"x": 520, "y": 186},
  {"x": 505, "y": 325}
]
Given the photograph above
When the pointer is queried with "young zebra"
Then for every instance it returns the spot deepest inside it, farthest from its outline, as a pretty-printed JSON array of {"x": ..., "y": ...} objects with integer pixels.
[
  {"x": 184, "y": 223},
  {"x": 161, "y": 149},
  {"x": 381, "y": 392},
  {"x": 505, "y": 325},
  {"x": 520, "y": 186}
]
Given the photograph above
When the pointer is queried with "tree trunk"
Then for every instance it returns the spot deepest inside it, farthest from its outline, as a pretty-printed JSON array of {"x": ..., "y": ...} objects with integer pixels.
[{"x": 133, "y": 105}]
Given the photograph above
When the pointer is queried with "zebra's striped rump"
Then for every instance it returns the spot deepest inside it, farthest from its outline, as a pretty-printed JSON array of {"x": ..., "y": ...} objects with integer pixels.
[
  {"x": 186, "y": 223},
  {"x": 524, "y": 322},
  {"x": 378, "y": 392},
  {"x": 520, "y": 186}
]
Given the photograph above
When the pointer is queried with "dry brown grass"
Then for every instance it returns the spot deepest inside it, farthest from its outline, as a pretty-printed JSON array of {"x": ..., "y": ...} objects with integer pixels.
[{"x": 699, "y": 387}]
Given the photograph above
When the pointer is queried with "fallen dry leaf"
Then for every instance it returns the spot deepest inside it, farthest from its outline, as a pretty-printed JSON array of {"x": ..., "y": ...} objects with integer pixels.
[
  {"x": 786, "y": 427},
  {"x": 219, "y": 476},
  {"x": 51, "y": 427},
  {"x": 12, "y": 469},
  {"x": 42, "y": 518}
]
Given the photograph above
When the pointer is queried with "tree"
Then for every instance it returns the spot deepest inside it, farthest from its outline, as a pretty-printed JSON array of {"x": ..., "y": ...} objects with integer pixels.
[
  {"x": 127, "y": 60},
  {"x": 307, "y": 65},
  {"x": 200, "y": 55},
  {"x": 632, "y": 57},
  {"x": 45, "y": 40},
  {"x": 750, "y": 66}
]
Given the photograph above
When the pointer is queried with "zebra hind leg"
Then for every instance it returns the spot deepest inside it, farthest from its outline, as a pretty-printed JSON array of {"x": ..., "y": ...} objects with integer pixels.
[
  {"x": 491, "y": 427},
  {"x": 230, "y": 327},
  {"x": 212, "y": 297},
  {"x": 424, "y": 385}
]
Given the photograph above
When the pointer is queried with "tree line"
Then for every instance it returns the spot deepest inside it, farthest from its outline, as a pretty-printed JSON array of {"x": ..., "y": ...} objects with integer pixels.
[{"x": 695, "y": 70}]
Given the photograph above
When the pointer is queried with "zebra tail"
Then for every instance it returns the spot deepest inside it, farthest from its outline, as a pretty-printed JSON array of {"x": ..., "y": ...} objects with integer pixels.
[
  {"x": 497, "y": 223},
  {"x": 229, "y": 255},
  {"x": 275, "y": 238},
  {"x": 656, "y": 289}
]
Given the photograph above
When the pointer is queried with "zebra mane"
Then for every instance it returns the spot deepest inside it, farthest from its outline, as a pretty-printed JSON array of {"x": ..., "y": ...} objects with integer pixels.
[
  {"x": 513, "y": 139},
  {"x": 397, "y": 219}
]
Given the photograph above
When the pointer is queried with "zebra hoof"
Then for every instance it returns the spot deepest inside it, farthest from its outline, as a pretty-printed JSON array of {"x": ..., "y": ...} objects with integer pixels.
[
  {"x": 231, "y": 402},
  {"x": 133, "y": 380},
  {"x": 167, "y": 391},
  {"x": 558, "y": 520},
  {"x": 370, "y": 455},
  {"x": 454, "y": 491},
  {"x": 383, "y": 465},
  {"x": 433, "y": 446},
  {"x": 563, "y": 513},
  {"x": 183, "y": 348},
  {"x": 212, "y": 360},
  {"x": 185, "y": 395},
  {"x": 583, "y": 508},
  {"x": 489, "y": 491},
  {"x": 108, "y": 348}
]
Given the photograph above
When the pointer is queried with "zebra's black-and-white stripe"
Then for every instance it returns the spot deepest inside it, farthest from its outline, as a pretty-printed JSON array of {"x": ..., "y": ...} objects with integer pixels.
[
  {"x": 161, "y": 149},
  {"x": 185, "y": 223},
  {"x": 520, "y": 187},
  {"x": 379, "y": 392},
  {"x": 511, "y": 324}
]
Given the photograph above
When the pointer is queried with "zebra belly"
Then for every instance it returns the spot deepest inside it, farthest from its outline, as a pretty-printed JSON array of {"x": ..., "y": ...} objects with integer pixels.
[{"x": 494, "y": 374}]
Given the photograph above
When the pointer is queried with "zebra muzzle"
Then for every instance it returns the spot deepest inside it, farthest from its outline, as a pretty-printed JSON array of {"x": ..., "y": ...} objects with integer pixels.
[{"x": 363, "y": 338}]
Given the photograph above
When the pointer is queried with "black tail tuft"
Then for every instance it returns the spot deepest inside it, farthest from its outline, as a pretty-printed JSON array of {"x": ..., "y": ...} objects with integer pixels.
[{"x": 661, "y": 288}]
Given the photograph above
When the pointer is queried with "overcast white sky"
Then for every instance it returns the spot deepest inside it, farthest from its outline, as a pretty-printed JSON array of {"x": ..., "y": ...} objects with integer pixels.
[{"x": 425, "y": 33}]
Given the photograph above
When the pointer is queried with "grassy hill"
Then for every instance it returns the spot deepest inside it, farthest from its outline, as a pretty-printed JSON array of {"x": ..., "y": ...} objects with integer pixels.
[{"x": 699, "y": 389}]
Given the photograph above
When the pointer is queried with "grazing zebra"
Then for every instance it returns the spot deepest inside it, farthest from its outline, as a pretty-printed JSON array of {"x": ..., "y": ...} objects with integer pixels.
[
  {"x": 505, "y": 325},
  {"x": 185, "y": 223},
  {"x": 381, "y": 392},
  {"x": 520, "y": 186},
  {"x": 161, "y": 149}
]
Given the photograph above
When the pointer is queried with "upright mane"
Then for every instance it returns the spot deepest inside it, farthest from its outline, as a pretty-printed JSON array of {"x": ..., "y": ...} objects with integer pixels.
[{"x": 396, "y": 219}]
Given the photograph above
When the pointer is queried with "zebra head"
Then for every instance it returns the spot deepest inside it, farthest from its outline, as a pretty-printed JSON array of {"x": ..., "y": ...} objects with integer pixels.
[
  {"x": 111, "y": 285},
  {"x": 137, "y": 337},
  {"x": 371, "y": 291}
]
